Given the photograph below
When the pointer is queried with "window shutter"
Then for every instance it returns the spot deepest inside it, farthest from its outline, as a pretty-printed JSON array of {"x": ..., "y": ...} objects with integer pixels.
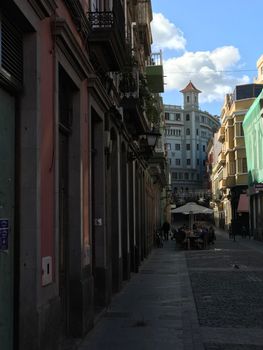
[{"x": 11, "y": 51}]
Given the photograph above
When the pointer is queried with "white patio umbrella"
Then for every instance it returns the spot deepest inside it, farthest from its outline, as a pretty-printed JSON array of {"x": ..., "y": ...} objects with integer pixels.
[{"x": 191, "y": 209}]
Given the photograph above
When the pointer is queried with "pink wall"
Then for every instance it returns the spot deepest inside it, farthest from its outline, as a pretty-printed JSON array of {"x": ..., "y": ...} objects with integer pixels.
[{"x": 47, "y": 148}]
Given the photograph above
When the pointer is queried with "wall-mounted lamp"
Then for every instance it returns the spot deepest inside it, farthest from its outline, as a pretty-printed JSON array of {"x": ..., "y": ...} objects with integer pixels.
[{"x": 147, "y": 144}]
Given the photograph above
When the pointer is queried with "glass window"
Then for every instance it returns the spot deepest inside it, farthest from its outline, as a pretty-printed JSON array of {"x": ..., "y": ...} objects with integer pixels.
[
  {"x": 171, "y": 117},
  {"x": 178, "y": 132},
  {"x": 197, "y": 146},
  {"x": 187, "y": 131},
  {"x": 166, "y": 116},
  {"x": 187, "y": 117},
  {"x": 188, "y": 161},
  {"x": 239, "y": 129},
  {"x": 177, "y": 161},
  {"x": 186, "y": 176},
  {"x": 203, "y": 148},
  {"x": 197, "y": 131},
  {"x": 197, "y": 161},
  {"x": 168, "y": 146},
  {"x": 174, "y": 176},
  {"x": 242, "y": 165},
  {"x": 188, "y": 146},
  {"x": 232, "y": 168},
  {"x": 178, "y": 116},
  {"x": 187, "y": 98},
  {"x": 177, "y": 146}
]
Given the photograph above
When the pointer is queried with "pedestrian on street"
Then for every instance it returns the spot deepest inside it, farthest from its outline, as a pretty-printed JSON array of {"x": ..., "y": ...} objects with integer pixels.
[{"x": 166, "y": 229}]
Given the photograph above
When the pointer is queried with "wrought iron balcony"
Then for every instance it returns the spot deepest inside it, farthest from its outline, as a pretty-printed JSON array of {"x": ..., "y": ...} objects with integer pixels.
[
  {"x": 101, "y": 19},
  {"x": 107, "y": 37}
]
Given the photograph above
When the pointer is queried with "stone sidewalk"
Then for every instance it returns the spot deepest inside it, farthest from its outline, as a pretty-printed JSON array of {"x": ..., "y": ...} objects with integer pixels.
[{"x": 157, "y": 309}]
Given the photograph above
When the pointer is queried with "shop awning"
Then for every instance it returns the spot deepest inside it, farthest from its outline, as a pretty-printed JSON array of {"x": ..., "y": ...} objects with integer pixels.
[{"x": 243, "y": 204}]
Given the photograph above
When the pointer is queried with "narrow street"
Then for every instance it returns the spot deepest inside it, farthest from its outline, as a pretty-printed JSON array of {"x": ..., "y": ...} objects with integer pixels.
[{"x": 208, "y": 299}]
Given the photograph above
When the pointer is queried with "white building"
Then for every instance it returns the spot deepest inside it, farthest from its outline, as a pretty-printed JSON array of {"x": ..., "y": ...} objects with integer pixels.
[{"x": 187, "y": 132}]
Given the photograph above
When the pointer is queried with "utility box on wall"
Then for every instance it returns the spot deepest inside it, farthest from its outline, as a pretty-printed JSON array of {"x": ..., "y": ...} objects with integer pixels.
[{"x": 46, "y": 270}]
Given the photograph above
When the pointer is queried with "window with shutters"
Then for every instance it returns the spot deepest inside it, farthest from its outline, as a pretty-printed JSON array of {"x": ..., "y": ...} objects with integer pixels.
[{"x": 11, "y": 52}]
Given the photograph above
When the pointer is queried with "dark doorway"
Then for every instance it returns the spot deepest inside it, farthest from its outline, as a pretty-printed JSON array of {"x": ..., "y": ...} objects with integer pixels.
[
  {"x": 7, "y": 222},
  {"x": 115, "y": 241},
  {"x": 124, "y": 216},
  {"x": 66, "y": 96},
  {"x": 99, "y": 259}
]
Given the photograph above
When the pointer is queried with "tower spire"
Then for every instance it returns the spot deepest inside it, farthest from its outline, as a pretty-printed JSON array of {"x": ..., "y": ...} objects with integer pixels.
[{"x": 190, "y": 93}]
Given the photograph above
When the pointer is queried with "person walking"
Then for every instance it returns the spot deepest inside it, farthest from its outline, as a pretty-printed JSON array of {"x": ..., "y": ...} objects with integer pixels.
[{"x": 166, "y": 229}]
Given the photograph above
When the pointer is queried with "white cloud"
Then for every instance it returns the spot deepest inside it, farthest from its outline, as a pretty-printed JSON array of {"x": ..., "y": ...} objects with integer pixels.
[
  {"x": 204, "y": 69},
  {"x": 165, "y": 34}
]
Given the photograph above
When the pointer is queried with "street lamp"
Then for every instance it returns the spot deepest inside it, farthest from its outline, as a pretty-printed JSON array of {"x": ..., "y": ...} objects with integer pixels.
[
  {"x": 152, "y": 138},
  {"x": 147, "y": 144}
]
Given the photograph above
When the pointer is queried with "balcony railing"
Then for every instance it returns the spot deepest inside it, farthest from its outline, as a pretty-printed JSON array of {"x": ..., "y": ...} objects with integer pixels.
[
  {"x": 102, "y": 20},
  {"x": 154, "y": 73},
  {"x": 106, "y": 40}
]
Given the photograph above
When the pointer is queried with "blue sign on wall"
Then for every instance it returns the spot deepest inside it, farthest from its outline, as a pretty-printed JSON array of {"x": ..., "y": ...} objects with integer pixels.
[{"x": 4, "y": 234}]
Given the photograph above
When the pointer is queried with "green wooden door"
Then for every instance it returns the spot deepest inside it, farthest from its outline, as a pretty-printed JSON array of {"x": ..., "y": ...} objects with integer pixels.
[{"x": 7, "y": 154}]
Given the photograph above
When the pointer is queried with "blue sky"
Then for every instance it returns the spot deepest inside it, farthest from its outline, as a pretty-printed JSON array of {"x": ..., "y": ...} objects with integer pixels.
[{"x": 214, "y": 44}]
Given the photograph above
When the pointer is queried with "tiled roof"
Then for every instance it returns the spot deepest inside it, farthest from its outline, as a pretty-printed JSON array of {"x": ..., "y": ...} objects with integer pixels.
[{"x": 190, "y": 88}]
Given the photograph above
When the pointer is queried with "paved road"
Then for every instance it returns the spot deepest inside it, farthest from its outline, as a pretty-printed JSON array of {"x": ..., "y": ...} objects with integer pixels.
[{"x": 183, "y": 300}]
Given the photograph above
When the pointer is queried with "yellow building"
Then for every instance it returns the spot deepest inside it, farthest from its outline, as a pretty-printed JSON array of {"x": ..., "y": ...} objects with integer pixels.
[{"x": 230, "y": 177}]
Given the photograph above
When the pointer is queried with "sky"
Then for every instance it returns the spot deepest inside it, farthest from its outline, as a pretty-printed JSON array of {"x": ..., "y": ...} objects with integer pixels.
[{"x": 214, "y": 44}]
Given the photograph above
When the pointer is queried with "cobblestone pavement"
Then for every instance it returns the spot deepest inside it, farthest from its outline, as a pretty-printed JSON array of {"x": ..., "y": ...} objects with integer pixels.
[
  {"x": 188, "y": 300},
  {"x": 227, "y": 284}
]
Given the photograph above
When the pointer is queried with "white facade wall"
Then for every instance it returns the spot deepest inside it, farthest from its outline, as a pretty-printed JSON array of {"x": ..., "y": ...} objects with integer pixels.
[{"x": 191, "y": 128}]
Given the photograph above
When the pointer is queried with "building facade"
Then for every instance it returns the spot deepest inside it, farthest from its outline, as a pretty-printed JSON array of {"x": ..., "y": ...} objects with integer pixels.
[
  {"x": 79, "y": 202},
  {"x": 230, "y": 173},
  {"x": 187, "y": 132}
]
